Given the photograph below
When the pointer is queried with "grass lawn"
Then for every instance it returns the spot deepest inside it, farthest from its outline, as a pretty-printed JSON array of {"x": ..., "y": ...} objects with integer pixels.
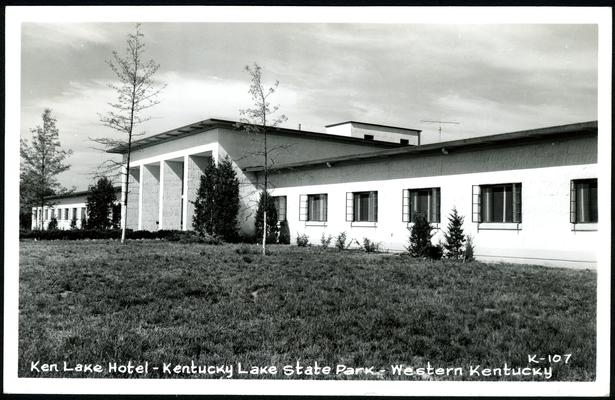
[{"x": 157, "y": 301}]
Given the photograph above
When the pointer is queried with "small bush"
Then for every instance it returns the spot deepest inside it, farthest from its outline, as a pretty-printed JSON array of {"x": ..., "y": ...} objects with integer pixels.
[
  {"x": 303, "y": 240},
  {"x": 73, "y": 223},
  {"x": 53, "y": 224},
  {"x": 193, "y": 237},
  {"x": 435, "y": 252},
  {"x": 325, "y": 241},
  {"x": 284, "y": 235},
  {"x": 369, "y": 246},
  {"x": 468, "y": 254},
  {"x": 420, "y": 237},
  {"x": 340, "y": 241},
  {"x": 454, "y": 237}
]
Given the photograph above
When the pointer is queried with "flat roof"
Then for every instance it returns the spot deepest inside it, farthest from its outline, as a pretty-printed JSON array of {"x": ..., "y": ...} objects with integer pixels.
[
  {"x": 212, "y": 123},
  {"x": 502, "y": 139},
  {"x": 376, "y": 125}
]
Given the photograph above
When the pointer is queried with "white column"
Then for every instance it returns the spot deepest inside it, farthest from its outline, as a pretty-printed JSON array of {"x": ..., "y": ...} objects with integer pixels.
[
  {"x": 140, "y": 227},
  {"x": 185, "y": 222},
  {"x": 161, "y": 196}
]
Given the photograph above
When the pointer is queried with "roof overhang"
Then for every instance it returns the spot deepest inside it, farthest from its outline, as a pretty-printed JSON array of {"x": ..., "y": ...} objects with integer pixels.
[{"x": 212, "y": 123}]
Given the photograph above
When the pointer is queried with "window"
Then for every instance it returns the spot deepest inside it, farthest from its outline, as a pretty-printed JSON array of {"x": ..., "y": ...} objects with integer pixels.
[
  {"x": 368, "y": 137},
  {"x": 280, "y": 206},
  {"x": 74, "y": 215},
  {"x": 362, "y": 207},
  {"x": 584, "y": 201},
  {"x": 66, "y": 213},
  {"x": 82, "y": 213},
  {"x": 497, "y": 203},
  {"x": 46, "y": 213},
  {"x": 426, "y": 201},
  {"x": 404, "y": 141},
  {"x": 317, "y": 207}
]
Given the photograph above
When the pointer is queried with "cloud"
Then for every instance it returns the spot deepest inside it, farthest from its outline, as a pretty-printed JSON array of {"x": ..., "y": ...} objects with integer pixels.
[{"x": 46, "y": 35}]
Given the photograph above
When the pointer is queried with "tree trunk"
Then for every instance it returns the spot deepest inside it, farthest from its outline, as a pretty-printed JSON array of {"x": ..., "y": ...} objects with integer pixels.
[
  {"x": 264, "y": 232},
  {"x": 125, "y": 216}
]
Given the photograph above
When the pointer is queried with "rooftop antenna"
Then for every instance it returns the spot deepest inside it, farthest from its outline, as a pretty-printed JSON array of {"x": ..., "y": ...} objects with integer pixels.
[{"x": 439, "y": 125}]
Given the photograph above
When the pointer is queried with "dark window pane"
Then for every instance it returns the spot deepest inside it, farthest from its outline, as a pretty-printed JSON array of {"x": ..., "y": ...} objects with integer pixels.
[
  {"x": 498, "y": 204},
  {"x": 593, "y": 203},
  {"x": 364, "y": 215},
  {"x": 587, "y": 201},
  {"x": 423, "y": 202}
]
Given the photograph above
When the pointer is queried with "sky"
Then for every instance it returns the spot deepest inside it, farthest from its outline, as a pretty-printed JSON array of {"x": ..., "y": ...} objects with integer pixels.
[{"x": 489, "y": 78}]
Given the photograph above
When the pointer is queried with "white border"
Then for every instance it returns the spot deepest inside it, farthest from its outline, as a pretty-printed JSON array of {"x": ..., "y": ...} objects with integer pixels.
[{"x": 431, "y": 15}]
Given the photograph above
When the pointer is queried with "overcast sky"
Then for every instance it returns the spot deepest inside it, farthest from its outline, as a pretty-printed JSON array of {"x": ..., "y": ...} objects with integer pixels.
[{"x": 489, "y": 78}]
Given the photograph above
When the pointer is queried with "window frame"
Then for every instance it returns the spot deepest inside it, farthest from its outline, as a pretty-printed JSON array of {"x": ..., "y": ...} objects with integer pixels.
[
  {"x": 407, "y": 204},
  {"x": 310, "y": 198},
  {"x": 574, "y": 192},
  {"x": 516, "y": 193},
  {"x": 357, "y": 213}
]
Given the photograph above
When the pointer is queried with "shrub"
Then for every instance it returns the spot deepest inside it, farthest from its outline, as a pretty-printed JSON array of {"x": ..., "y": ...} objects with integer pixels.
[
  {"x": 192, "y": 237},
  {"x": 272, "y": 219},
  {"x": 73, "y": 223},
  {"x": 217, "y": 202},
  {"x": 369, "y": 246},
  {"x": 435, "y": 252},
  {"x": 101, "y": 197},
  {"x": 284, "y": 236},
  {"x": 303, "y": 240},
  {"x": 420, "y": 237},
  {"x": 340, "y": 241},
  {"x": 53, "y": 224},
  {"x": 454, "y": 237},
  {"x": 325, "y": 241},
  {"x": 469, "y": 249}
]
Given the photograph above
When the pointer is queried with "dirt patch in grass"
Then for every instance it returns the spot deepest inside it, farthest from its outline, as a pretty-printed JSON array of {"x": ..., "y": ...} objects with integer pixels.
[{"x": 101, "y": 302}]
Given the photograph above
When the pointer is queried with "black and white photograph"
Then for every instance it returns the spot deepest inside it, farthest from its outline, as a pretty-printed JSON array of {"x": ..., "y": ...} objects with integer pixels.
[{"x": 308, "y": 200}]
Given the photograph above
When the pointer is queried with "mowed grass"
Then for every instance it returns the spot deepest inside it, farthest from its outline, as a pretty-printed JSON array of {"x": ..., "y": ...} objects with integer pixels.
[{"x": 157, "y": 301}]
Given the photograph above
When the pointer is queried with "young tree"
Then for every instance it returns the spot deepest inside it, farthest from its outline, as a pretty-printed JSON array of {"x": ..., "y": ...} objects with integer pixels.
[
  {"x": 454, "y": 238},
  {"x": 53, "y": 224},
  {"x": 42, "y": 161},
  {"x": 420, "y": 237},
  {"x": 267, "y": 217},
  {"x": 136, "y": 92},
  {"x": 203, "y": 218},
  {"x": 227, "y": 200},
  {"x": 217, "y": 202},
  {"x": 100, "y": 201},
  {"x": 257, "y": 120}
]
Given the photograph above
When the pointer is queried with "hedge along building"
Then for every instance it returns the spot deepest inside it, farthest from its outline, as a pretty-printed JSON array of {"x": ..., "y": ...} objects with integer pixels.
[
  {"x": 527, "y": 196},
  {"x": 65, "y": 209}
]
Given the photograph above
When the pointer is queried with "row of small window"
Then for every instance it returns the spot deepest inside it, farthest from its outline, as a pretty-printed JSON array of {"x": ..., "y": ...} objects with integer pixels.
[
  {"x": 490, "y": 204},
  {"x": 63, "y": 213}
]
